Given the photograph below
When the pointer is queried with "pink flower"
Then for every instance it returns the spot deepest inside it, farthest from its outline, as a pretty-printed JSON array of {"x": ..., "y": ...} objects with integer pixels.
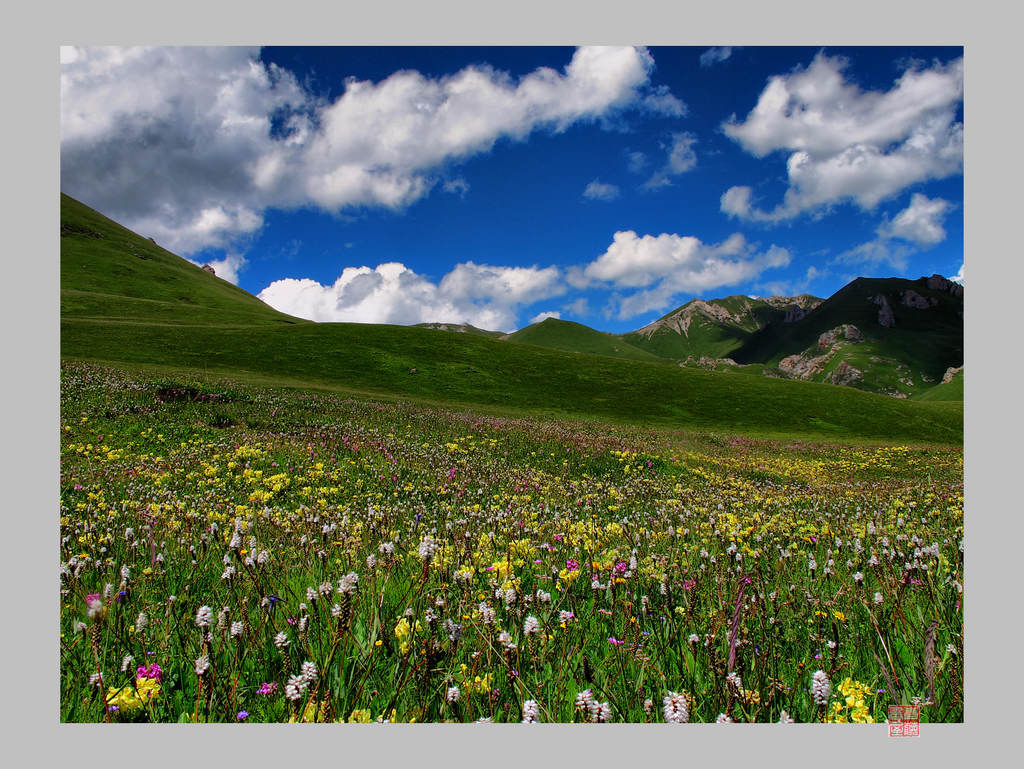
[
  {"x": 615, "y": 641},
  {"x": 92, "y": 597}
]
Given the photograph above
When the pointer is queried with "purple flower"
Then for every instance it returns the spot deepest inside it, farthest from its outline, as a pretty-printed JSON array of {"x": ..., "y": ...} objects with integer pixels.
[
  {"x": 689, "y": 584},
  {"x": 572, "y": 565},
  {"x": 242, "y": 715},
  {"x": 267, "y": 688},
  {"x": 615, "y": 641}
]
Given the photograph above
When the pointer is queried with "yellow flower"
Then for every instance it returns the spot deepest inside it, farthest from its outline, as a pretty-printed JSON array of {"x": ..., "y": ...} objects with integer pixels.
[{"x": 359, "y": 717}]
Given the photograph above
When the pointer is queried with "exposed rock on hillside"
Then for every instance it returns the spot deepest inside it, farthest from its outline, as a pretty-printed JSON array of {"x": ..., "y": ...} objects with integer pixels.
[
  {"x": 844, "y": 375},
  {"x": 950, "y": 373},
  {"x": 885, "y": 316},
  {"x": 939, "y": 283},
  {"x": 914, "y": 300}
]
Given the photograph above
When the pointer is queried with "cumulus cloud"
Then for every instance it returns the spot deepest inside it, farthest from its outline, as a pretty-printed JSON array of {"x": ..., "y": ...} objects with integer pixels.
[
  {"x": 715, "y": 55},
  {"x": 681, "y": 158},
  {"x": 846, "y": 144},
  {"x": 959, "y": 277},
  {"x": 485, "y": 296},
  {"x": 666, "y": 265},
  {"x": 597, "y": 190},
  {"x": 541, "y": 316},
  {"x": 919, "y": 223},
  {"x": 192, "y": 145}
]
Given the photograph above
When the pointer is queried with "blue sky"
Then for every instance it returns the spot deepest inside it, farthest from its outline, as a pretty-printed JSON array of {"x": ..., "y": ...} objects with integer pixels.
[{"x": 499, "y": 185}]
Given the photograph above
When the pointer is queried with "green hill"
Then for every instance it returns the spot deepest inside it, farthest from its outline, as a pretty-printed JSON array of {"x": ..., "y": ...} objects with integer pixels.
[
  {"x": 110, "y": 273},
  {"x": 952, "y": 390},
  {"x": 907, "y": 333},
  {"x": 461, "y": 328},
  {"x": 575, "y": 337},
  {"x": 714, "y": 328},
  {"x": 142, "y": 306}
]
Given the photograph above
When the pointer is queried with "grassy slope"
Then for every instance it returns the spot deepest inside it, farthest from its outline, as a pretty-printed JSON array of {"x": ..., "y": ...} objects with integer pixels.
[
  {"x": 706, "y": 336},
  {"x": 127, "y": 277},
  {"x": 575, "y": 337},
  {"x": 948, "y": 391},
  {"x": 232, "y": 333},
  {"x": 461, "y": 328}
]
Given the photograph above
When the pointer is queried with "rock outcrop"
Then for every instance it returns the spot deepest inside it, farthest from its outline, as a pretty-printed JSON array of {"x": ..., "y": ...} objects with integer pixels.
[
  {"x": 914, "y": 300},
  {"x": 939, "y": 283},
  {"x": 885, "y": 316},
  {"x": 209, "y": 269},
  {"x": 950, "y": 373}
]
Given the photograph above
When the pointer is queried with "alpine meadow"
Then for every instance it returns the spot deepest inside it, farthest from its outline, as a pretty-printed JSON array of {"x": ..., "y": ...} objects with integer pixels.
[{"x": 530, "y": 385}]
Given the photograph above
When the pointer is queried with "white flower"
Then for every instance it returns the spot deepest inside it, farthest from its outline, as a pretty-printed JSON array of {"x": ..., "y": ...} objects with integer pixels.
[
  {"x": 878, "y": 598},
  {"x": 202, "y": 665},
  {"x": 126, "y": 662},
  {"x": 204, "y": 616},
  {"x": 530, "y": 712},
  {"x": 504, "y": 639},
  {"x": 349, "y": 583},
  {"x": 821, "y": 688},
  {"x": 675, "y": 708},
  {"x": 236, "y": 629},
  {"x": 785, "y": 718},
  {"x": 95, "y": 608},
  {"x": 281, "y": 641},
  {"x": 295, "y": 687},
  {"x": 452, "y": 695},
  {"x": 693, "y": 639},
  {"x": 531, "y": 626},
  {"x": 723, "y": 719},
  {"x": 309, "y": 671},
  {"x": 141, "y": 621},
  {"x": 858, "y": 576},
  {"x": 427, "y": 547}
]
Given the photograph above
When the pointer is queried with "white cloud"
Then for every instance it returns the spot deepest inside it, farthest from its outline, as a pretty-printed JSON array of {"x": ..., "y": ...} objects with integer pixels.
[
  {"x": 668, "y": 264},
  {"x": 877, "y": 251},
  {"x": 457, "y": 186},
  {"x": 920, "y": 222},
  {"x": 541, "y": 316},
  {"x": 636, "y": 162},
  {"x": 193, "y": 144},
  {"x": 485, "y": 296},
  {"x": 959, "y": 277},
  {"x": 681, "y": 158},
  {"x": 847, "y": 144},
  {"x": 579, "y": 307},
  {"x": 715, "y": 55},
  {"x": 596, "y": 190}
]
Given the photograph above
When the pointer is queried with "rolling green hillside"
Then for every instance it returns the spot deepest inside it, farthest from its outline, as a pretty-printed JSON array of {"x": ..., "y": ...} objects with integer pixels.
[
  {"x": 575, "y": 337},
  {"x": 108, "y": 272},
  {"x": 461, "y": 328},
  {"x": 714, "y": 328},
  {"x": 952, "y": 390},
  {"x": 162, "y": 311}
]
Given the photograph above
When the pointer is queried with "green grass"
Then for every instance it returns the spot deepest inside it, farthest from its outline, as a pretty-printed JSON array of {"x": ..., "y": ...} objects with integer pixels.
[
  {"x": 945, "y": 391},
  {"x": 575, "y": 337}
]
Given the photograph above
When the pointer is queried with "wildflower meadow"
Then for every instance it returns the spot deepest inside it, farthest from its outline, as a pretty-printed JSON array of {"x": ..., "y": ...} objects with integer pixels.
[{"x": 230, "y": 553}]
